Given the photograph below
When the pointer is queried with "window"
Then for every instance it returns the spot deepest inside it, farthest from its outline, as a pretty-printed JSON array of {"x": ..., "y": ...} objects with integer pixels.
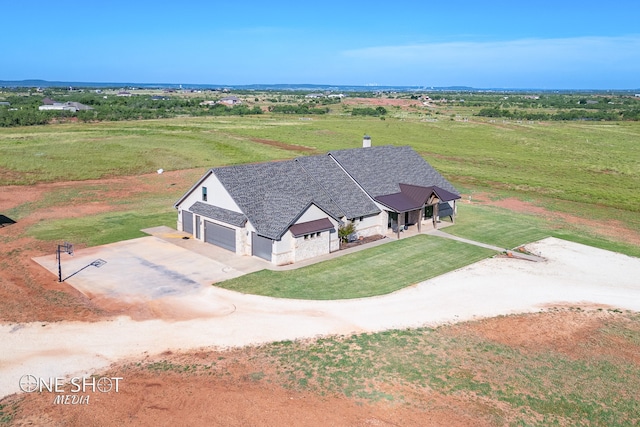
[
  {"x": 361, "y": 218},
  {"x": 306, "y": 237},
  {"x": 204, "y": 194},
  {"x": 318, "y": 234}
]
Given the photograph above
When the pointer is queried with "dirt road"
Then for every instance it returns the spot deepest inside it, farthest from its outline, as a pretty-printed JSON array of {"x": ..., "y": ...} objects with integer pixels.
[{"x": 573, "y": 273}]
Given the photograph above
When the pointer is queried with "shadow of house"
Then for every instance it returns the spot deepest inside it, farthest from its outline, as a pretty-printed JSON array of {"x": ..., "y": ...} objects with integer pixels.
[{"x": 4, "y": 220}]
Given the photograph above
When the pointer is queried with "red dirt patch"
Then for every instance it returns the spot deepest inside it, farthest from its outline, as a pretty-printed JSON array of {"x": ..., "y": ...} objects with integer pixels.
[
  {"x": 570, "y": 331},
  {"x": 285, "y": 146},
  {"x": 383, "y": 102},
  {"x": 235, "y": 391},
  {"x": 30, "y": 293}
]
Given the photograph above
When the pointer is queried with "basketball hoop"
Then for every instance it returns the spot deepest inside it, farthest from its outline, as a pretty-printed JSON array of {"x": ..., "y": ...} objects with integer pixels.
[{"x": 66, "y": 248}]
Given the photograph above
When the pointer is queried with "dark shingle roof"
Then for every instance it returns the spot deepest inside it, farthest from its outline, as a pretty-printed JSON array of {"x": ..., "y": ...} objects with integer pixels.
[
  {"x": 350, "y": 199},
  {"x": 221, "y": 214},
  {"x": 273, "y": 195},
  {"x": 380, "y": 170}
]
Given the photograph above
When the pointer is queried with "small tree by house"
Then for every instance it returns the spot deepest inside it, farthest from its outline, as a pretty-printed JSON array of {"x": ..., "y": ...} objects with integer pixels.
[{"x": 345, "y": 230}]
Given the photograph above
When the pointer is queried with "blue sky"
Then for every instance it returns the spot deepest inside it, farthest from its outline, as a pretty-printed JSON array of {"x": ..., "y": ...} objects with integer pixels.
[{"x": 537, "y": 44}]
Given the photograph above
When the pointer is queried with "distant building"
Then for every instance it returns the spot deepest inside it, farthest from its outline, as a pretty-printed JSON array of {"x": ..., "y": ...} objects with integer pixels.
[
  {"x": 124, "y": 93},
  {"x": 50, "y": 105},
  {"x": 230, "y": 100}
]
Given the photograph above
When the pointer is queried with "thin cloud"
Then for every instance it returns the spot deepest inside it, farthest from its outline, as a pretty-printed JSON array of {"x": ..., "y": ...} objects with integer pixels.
[
  {"x": 585, "y": 50},
  {"x": 560, "y": 62}
]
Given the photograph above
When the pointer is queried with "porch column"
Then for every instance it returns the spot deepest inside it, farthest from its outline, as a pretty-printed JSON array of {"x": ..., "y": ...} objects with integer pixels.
[
  {"x": 420, "y": 219},
  {"x": 453, "y": 217},
  {"x": 435, "y": 216}
]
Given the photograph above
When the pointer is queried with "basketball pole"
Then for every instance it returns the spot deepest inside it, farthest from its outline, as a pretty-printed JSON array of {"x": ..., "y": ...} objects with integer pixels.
[{"x": 68, "y": 248}]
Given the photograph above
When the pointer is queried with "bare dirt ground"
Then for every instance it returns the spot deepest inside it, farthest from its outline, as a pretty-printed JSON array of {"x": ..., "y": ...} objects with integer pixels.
[
  {"x": 279, "y": 144},
  {"x": 232, "y": 394},
  {"x": 383, "y": 102}
]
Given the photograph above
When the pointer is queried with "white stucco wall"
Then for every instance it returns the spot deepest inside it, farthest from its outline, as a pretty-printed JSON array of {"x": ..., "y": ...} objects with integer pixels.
[
  {"x": 311, "y": 214},
  {"x": 283, "y": 253},
  {"x": 217, "y": 195}
]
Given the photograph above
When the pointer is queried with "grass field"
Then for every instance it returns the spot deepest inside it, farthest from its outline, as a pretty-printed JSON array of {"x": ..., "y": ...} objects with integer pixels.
[{"x": 587, "y": 162}]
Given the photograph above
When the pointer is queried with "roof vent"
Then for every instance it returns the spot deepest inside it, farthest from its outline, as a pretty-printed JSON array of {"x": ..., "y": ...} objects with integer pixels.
[{"x": 366, "y": 141}]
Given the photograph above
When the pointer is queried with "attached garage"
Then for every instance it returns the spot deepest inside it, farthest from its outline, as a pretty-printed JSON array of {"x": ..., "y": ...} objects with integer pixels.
[
  {"x": 261, "y": 247},
  {"x": 187, "y": 222},
  {"x": 220, "y": 235}
]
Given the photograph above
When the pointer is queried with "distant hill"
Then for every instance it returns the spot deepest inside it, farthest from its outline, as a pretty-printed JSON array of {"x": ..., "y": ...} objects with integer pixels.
[{"x": 285, "y": 87}]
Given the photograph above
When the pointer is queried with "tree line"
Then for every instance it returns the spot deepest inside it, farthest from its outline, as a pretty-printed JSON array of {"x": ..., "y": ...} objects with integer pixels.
[
  {"x": 23, "y": 110},
  {"x": 561, "y": 115}
]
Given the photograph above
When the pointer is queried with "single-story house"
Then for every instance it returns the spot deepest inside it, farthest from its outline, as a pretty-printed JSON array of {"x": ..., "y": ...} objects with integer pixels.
[
  {"x": 291, "y": 210},
  {"x": 63, "y": 106},
  {"x": 230, "y": 100}
]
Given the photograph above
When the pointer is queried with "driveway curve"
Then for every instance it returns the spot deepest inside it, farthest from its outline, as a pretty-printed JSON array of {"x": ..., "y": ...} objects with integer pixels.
[{"x": 571, "y": 274}]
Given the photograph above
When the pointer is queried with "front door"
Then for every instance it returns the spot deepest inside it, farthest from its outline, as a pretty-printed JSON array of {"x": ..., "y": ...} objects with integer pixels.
[
  {"x": 428, "y": 211},
  {"x": 392, "y": 223}
]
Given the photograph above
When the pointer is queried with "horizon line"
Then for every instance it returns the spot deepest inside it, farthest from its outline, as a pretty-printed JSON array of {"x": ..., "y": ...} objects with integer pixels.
[{"x": 372, "y": 86}]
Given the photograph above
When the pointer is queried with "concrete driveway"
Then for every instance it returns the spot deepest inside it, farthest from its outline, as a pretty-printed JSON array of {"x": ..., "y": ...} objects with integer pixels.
[{"x": 148, "y": 268}]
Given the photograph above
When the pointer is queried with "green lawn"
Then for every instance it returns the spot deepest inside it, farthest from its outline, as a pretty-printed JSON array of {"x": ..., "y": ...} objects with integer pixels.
[
  {"x": 375, "y": 271},
  {"x": 497, "y": 226},
  {"x": 101, "y": 229}
]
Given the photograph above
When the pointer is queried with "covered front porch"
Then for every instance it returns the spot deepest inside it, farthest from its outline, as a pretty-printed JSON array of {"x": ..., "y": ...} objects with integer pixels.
[{"x": 417, "y": 209}]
